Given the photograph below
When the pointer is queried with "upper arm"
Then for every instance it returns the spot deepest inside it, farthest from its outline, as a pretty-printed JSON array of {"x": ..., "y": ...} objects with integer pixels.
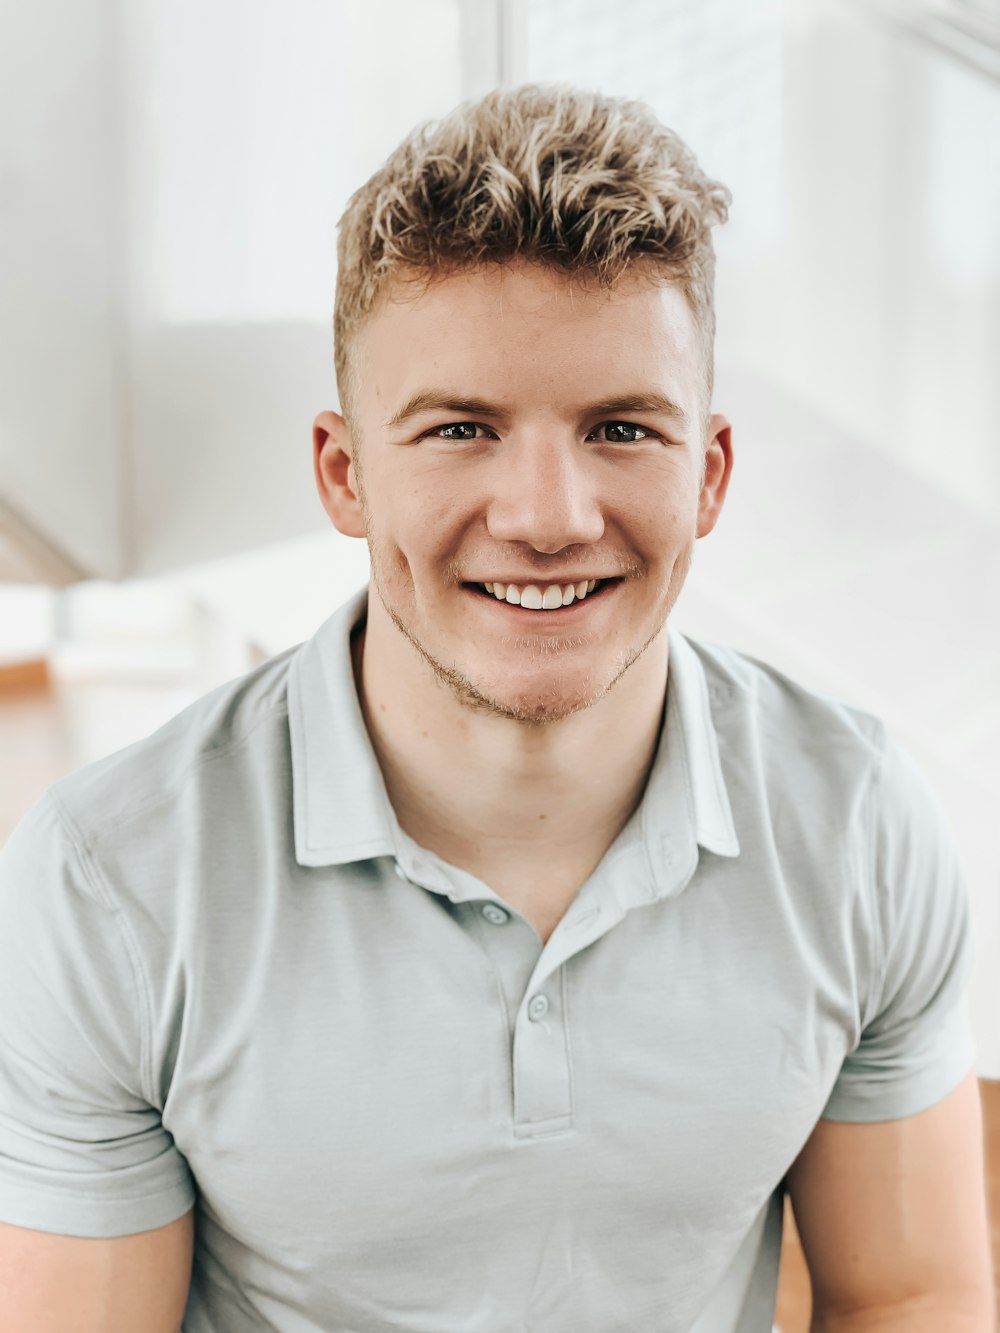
[
  {"x": 895, "y": 1211},
  {"x": 49, "y": 1284},
  {"x": 888, "y": 1192}
]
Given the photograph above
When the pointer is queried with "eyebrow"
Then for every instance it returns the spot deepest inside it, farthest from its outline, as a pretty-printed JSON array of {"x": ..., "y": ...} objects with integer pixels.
[
  {"x": 438, "y": 400},
  {"x": 656, "y": 403}
]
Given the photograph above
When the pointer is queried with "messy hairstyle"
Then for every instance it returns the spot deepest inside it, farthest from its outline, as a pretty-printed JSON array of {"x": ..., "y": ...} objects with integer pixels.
[{"x": 583, "y": 183}]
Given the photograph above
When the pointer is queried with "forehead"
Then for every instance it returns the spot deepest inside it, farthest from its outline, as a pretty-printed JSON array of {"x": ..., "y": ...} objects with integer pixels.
[{"x": 523, "y": 330}]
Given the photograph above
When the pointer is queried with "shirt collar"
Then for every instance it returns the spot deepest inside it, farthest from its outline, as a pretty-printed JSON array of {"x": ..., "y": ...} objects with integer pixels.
[
  {"x": 685, "y": 805},
  {"x": 341, "y": 810},
  {"x": 342, "y": 813}
]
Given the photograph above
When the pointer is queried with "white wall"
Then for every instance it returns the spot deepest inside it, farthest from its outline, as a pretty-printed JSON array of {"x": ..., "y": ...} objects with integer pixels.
[
  {"x": 887, "y": 312},
  {"x": 61, "y": 388}
]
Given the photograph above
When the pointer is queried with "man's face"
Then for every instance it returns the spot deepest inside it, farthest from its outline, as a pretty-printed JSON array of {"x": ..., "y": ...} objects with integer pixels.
[{"x": 514, "y": 426}]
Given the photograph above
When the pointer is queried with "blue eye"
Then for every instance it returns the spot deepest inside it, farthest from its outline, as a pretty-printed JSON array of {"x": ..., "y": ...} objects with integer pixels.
[{"x": 623, "y": 432}]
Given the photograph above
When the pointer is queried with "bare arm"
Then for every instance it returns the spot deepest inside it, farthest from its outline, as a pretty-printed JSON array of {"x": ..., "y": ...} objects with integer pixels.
[
  {"x": 67, "y": 1284},
  {"x": 893, "y": 1222}
]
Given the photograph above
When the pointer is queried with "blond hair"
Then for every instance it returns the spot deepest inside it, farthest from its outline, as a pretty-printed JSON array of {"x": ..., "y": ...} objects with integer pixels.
[{"x": 577, "y": 181}]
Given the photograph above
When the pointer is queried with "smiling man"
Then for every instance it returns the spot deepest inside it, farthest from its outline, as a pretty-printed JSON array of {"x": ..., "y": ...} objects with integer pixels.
[{"x": 500, "y": 958}]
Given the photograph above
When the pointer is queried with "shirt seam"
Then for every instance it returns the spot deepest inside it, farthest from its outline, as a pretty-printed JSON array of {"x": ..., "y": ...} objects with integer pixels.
[
  {"x": 202, "y": 760},
  {"x": 564, "y": 990},
  {"x": 881, "y": 965},
  {"x": 102, "y": 894}
]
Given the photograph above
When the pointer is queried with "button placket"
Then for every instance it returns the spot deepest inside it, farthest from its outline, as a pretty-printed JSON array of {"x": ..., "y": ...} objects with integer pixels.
[{"x": 541, "y": 1065}]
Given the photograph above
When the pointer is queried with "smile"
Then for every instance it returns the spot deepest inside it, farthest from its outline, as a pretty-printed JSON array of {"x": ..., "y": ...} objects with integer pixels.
[{"x": 543, "y": 597}]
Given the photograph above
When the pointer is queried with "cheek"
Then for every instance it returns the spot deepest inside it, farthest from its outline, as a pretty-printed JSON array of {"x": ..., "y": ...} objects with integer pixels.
[
  {"x": 433, "y": 514},
  {"x": 409, "y": 538},
  {"x": 656, "y": 523}
]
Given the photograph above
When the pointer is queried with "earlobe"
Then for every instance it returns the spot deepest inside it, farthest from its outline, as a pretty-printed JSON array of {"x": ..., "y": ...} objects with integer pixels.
[
  {"x": 718, "y": 470},
  {"x": 336, "y": 477}
]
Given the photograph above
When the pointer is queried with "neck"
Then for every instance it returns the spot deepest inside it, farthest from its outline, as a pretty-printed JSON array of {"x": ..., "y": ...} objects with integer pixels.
[{"x": 488, "y": 793}]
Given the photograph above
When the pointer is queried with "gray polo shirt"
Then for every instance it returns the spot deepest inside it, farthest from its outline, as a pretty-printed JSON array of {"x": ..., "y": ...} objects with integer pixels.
[{"x": 229, "y": 980}]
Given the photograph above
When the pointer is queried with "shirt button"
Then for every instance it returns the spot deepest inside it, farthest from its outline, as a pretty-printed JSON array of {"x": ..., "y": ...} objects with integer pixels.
[
  {"x": 538, "y": 1007},
  {"x": 495, "y": 914}
]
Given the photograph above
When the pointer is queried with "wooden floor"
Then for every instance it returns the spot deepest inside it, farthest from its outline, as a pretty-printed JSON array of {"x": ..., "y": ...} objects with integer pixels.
[{"x": 48, "y": 729}]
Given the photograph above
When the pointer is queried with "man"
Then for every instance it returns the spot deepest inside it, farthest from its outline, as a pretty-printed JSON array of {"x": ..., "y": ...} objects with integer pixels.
[{"x": 499, "y": 958}]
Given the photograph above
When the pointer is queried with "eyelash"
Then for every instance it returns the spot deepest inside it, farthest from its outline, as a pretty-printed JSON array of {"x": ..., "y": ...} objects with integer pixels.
[{"x": 633, "y": 425}]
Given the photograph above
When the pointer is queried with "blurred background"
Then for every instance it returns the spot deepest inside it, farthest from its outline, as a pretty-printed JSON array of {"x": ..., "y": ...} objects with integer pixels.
[{"x": 171, "y": 173}]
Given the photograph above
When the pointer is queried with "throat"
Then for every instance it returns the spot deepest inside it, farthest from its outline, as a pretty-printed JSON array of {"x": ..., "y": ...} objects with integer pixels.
[
  {"x": 509, "y": 804},
  {"x": 536, "y": 860}
]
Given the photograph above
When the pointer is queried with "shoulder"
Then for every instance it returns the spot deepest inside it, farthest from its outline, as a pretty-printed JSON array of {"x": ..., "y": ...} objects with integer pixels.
[
  {"x": 792, "y": 728},
  {"x": 836, "y": 789},
  {"x": 236, "y": 725},
  {"x": 756, "y": 705}
]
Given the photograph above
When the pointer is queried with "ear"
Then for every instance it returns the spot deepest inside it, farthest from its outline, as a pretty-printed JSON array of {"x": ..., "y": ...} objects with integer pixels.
[
  {"x": 336, "y": 475},
  {"x": 718, "y": 469}
]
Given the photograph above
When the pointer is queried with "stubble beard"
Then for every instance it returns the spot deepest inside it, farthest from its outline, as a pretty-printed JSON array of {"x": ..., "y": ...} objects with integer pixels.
[
  {"x": 544, "y": 709},
  {"x": 541, "y": 711}
]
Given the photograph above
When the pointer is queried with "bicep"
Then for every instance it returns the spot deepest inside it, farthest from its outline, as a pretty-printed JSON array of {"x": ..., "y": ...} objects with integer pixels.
[
  {"x": 51, "y": 1283},
  {"x": 895, "y": 1211}
]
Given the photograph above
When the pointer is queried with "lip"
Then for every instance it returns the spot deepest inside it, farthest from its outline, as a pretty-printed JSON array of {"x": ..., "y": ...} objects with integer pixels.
[{"x": 526, "y": 580}]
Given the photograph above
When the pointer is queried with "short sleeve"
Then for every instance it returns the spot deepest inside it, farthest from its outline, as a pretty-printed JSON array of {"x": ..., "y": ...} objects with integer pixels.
[
  {"x": 82, "y": 1149},
  {"x": 916, "y": 1045}
]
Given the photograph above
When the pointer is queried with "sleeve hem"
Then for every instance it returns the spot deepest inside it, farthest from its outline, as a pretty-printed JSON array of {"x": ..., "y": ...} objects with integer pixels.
[
  {"x": 70, "y": 1215},
  {"x": 95, "y": 879},
  {"x": 872, "y": 1101}
]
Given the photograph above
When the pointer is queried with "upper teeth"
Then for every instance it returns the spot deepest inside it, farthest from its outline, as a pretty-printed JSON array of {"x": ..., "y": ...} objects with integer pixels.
[{"x": 535, "y": 598}]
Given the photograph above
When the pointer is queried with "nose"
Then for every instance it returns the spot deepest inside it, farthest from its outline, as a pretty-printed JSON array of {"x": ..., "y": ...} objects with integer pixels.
[{"x": 545, "y": 494}]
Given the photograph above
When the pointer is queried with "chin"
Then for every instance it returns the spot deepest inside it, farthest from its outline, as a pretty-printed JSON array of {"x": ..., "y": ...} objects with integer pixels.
[
  {"x": 533, "y": 702},
  {"x": 528, "y": 709},
  {"x": 532, "y": 707}
]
